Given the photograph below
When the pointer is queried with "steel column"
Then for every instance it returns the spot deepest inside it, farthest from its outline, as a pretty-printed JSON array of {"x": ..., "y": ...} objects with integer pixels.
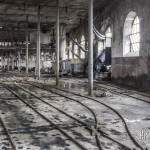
[
  {"x": 27, "y": 53},
  {"x": 27, "y": 50},
  {"x": 19, "y": 61},
  {"x": 38, "y": 57},
  {"x": 57, "y": 44},
  {"x": 90, "y": 45},
  {"x": 8, "y": 61},
  {"x": 12, "y": 61},
  {"x": 72, "y": 51},
  {"x": 2, "y": 61},
  {"x": 68, "y": 48},
  {"x": 63, "y": 41}
]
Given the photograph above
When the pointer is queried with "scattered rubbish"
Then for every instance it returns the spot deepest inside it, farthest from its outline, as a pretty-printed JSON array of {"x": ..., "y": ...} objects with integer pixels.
[{"x": 103, "y": 94}]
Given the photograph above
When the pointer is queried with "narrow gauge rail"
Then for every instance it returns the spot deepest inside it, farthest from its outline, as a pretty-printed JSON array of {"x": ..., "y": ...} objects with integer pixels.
[
  {"x": 6, "y": 132},
  {"x": 81, "y": 122},
  {"x": 123, "y": 93},
  {"x": 137, "y": 91},
  {"x": 89, "y": 128},
  {"x": 90, "y": 98},
  {"x": 61, "y": 111},
  {"x": 46, "y": 119},
  {"x": 97, "y": 84}
]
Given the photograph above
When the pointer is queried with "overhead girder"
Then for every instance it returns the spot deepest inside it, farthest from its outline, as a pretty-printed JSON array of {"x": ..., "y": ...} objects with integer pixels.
[{"x": 16, "y": 11}]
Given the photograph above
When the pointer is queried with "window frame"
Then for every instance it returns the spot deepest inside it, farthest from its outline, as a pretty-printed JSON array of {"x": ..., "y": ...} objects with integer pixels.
[
  {"x": 132, "y": 35},
  {"x": 108, "y": 38},
  {"x": 82, "y": 43},
  {"x": 134, "y": 42}
]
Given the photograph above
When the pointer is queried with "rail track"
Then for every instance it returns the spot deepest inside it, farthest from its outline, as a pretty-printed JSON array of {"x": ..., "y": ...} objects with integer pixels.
[
  {"x": 80, "y": 146},
  {"x": 92, "y": 99},
  {"x": 6, "y": 132},
  {"x": 89, "y": 128},
  {"x": 123, "y": 93},
  {"x": 81, "y": 122}
]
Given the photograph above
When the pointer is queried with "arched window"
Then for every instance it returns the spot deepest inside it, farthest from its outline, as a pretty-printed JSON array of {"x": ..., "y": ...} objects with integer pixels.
[
  {"x": 83, "y": 46},
  {"x": 108, "y": 35},
  {"x": 75, "y": 49},
  {"x": 70, "y": 49},
  {"x": 102, "y": 44},
  {"x": 3, "y": 43},
  {"x": 131, "y": 41},
  {"x": 100, "y": 47},
  {"x": 135, "y": 36}
]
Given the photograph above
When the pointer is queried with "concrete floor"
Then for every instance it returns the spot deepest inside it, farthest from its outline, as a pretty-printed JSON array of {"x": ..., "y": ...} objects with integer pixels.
[{"x": 28, "y": 130}]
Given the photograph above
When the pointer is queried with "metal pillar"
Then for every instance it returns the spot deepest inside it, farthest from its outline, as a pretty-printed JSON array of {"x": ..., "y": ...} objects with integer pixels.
[
  {"x": 90, "y": 50},
  {"x": 57, "y": 45},
  {"x": 13, "y": 62},
  {"x": 2, "y": 60},
  {"x": 62, "y": 41},
  {"x": 72, "y": 51},
  {"x": 38, "y": 52},
  {"x": 19, "y": 61},
  {"x": 79, "y": 50},
  {"x": 8, "y": 61},
  {"x": 27, "y": 50},
  {"x": 68, "y": 47}
]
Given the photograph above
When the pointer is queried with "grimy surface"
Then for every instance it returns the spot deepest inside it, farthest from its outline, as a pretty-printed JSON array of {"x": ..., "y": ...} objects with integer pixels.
[{"x": 23, "y": 105}]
